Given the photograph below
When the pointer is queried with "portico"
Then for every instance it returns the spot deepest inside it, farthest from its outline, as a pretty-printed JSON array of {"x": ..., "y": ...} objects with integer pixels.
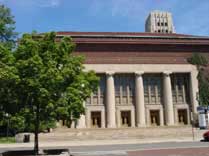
[{"x": 143, "y": 95}]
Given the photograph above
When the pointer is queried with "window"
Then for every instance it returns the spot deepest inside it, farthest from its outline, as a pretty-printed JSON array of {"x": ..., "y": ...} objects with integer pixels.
[
  {"x": 124, "y": 89},
  {"x": 146, "y": 92},
  {"x": 158, "y": 23},
  {"x": 97, "y": 97},
  {"x": 88, "y": 100},
  {"x": 152, "y": 89},
  {"x": 162, "y": 24},
  {"x": 180, "y": 88},
  {"x": 117, "y": 90},
  {"x": 102, "y": 89},
  {"x": 166, "y": 24}
]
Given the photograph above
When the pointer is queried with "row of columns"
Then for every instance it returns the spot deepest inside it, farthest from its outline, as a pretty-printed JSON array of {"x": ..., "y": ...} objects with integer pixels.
[{"x": 140, "y": 106}]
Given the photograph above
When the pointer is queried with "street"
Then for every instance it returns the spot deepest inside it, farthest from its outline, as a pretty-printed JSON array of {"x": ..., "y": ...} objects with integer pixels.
[
  {"x": 201, "y": 151},
  {"x": 158, "y": 149}
]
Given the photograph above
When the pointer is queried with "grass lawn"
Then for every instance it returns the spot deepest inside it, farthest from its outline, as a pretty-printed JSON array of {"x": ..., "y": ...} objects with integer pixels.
[{"x": 4, "y": 140}]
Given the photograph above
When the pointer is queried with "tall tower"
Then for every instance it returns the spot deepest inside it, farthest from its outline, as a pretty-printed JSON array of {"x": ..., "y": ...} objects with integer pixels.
[{"x": 159, "y": 22}]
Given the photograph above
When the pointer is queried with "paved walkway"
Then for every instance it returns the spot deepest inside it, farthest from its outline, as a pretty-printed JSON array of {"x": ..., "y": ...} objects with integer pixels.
[
  {"x": 97, "y": 142},
  {"x": 88, "y": 137}
]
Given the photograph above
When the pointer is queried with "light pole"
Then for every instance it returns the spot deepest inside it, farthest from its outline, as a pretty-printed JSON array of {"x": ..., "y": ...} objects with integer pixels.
[{"x": 7, "y": 117}]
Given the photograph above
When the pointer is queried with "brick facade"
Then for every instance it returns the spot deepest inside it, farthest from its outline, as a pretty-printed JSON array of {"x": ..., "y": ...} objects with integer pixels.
[{"x": 136, "y": 48}]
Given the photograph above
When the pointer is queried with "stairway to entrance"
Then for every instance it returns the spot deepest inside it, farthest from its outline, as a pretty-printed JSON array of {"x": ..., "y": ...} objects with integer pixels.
[{"x": 66, "y": 134}]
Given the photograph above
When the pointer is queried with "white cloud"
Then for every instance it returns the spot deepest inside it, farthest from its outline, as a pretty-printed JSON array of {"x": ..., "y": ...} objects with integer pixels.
[
  {"x": 130, "y": 9},
  {"x": 117, "y": 7},
  {"x": 35, "y": 3},
  {"x": 49, "y": 3}
]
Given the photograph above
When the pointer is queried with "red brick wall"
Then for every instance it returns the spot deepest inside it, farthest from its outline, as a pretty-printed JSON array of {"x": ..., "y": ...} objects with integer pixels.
[{"x": 138, "y": 53}]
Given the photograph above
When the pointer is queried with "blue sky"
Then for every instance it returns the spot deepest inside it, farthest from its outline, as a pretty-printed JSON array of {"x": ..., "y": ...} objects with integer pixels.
[{"x": 190, "y": 16}]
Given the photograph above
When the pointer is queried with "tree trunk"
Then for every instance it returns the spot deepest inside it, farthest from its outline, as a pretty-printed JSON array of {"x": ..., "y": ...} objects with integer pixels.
[
  {"x": 69, "y": 123},
  {"x": 36, "y": 146}
]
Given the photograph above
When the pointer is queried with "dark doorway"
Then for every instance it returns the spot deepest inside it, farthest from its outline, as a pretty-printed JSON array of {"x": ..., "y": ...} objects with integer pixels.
[
  {"x": 126, "y": 118},
  {"x": 182, "y": 117},
  {"x": 155, "y": 117},
  {"x": 96, "y": 119}
]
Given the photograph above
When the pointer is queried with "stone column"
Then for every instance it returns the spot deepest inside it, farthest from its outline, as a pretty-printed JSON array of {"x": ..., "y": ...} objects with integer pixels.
[
  {"x": 140, "y": 107},
  {"x": 103, "y": 118},
  {"x": 194, "y": 90},
  {"x": 110, "y": 95},
  {"x": 118, "y": 117},
  {"x": 82, "y": 120},
  {"x": 194, "y": 94},
  {"x": 168, "y": 99},
  {"x": 132, "y": 118},
  {"x": 148, "y": 117},
  {"x": 88, "y": 118},
  {"x": 176, "y": 119},
  {"x": 161, "y": 117},
  {"x": 188, "y": 117}
]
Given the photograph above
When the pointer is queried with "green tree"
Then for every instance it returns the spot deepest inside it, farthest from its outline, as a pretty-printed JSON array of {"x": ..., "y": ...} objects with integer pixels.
[
  {"x": 7, "y": 27},
  {"x": 8, "y": 73},
  {"x": 8, "y": 82},
  {"x": 52, "y": 83},
  {"x": 201, "y": 62}
]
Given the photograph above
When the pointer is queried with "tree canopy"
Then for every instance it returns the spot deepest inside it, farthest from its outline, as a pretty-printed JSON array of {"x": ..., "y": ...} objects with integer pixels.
[
  {"x": 7, "y": 27},
  {"x": 42, "y": 81},
  {"x": 8, "y": 81},
  {"x": 201, "y": 62},
  {"x": 198, "y": 60}
]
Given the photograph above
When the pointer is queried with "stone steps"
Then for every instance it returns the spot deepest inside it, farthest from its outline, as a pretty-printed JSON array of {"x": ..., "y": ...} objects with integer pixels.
[{"x": 65, "y": 134}]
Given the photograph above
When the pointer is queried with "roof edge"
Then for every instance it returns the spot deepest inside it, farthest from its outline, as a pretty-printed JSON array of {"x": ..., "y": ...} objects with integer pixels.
[{"x": 128, "y": 35}]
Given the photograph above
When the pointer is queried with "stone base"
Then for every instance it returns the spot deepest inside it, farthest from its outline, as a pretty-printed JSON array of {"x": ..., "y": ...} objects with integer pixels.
[{"x": 24, "y": 137}]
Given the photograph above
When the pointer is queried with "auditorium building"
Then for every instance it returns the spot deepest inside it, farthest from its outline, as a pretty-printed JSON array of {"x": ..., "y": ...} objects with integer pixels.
[{"x": 145, "y": 79}]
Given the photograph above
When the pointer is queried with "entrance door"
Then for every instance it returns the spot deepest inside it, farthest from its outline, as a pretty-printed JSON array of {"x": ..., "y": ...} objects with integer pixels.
[
  {"x": 155, "y": 117},
  {"x": 96, "y": 119},
  {"x": 126, "y": 118},
  {"x": 182, "y": 116}
]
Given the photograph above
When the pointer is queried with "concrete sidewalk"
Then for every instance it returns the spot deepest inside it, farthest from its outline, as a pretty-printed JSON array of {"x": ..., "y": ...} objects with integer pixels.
[{"x": 96, "y": 142}]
